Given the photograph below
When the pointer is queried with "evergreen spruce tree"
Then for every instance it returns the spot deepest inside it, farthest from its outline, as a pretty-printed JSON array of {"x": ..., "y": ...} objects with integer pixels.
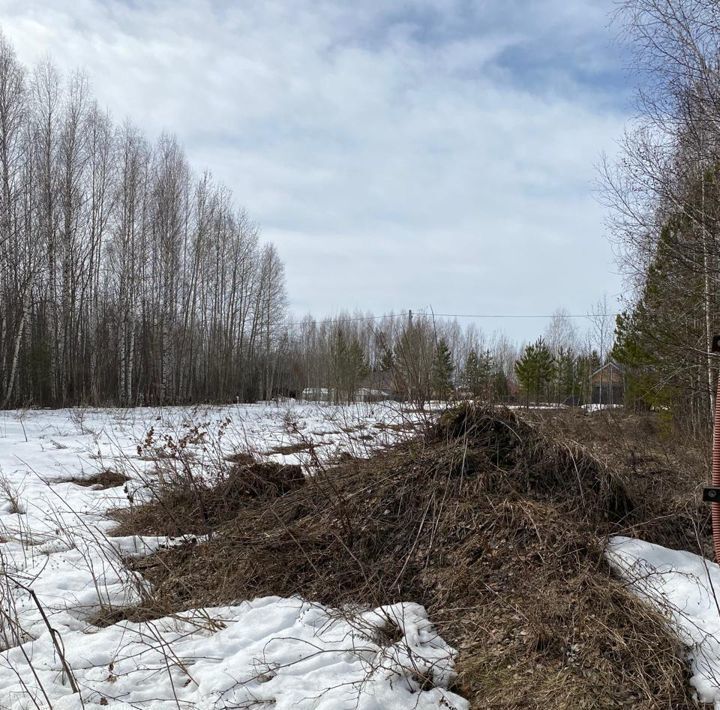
[
  {"x": 486, "y": 367},
  {"x": 500, "y": 386},
  {"x": 478, "y": 374},
  {"x": 387, "y": 361}
]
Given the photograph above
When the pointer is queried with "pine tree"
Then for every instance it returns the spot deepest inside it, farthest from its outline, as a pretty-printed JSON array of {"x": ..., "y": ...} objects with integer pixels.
[
  {"x": 442, "y": 370},
  {"x": 349, "y": 365},
  {"x": 478, "y": 374},
  {"x": 661, "y": 343},
  {"x": 535, "y": 370},
  {"x": 567, "y": 376},
  {"x": 646, "y": 383}
]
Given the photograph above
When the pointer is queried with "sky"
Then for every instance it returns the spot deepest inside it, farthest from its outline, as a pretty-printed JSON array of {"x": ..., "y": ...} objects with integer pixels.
[{"x": 433, "y": 154}]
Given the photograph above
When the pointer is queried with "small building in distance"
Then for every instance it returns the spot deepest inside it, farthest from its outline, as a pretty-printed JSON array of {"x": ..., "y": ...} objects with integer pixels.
[
  {"x": 329, "y": 394},
  {"x": 318, "y": 394},
  {"x": 368, "y": 394},
  {"x": 608, "y": 384}
]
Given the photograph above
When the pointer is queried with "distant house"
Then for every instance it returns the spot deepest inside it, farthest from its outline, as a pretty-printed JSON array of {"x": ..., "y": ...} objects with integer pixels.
[
  {"x": 329, "y": 394},
  {"x": 318, "y": 394},
  {"x": 380, "y": 381},
  {"x": 368, "y": 394},
  {"x": 608, "y": 384}
]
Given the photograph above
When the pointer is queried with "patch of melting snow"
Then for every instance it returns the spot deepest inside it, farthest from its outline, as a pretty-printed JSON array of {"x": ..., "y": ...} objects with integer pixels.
[
  {"x": 685, "y": 587},
  {"x": 285, "y": 652}
]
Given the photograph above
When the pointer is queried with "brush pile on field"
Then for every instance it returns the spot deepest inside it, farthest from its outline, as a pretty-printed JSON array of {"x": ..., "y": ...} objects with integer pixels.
[
  {"x": 184, "y": 504},
  {"x": 664, "y": 470},
  {"x": 495, "y": 528}
]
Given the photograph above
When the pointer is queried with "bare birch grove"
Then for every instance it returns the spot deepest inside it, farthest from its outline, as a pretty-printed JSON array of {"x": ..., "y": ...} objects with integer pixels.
[{"x": 124, "y": 277}]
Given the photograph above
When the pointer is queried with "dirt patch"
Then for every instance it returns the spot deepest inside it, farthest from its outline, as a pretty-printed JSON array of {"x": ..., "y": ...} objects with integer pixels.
[
  {"x": 406, "y": 426},
  {"x": 495, "y": 526},
  {"x": 298, "y": 448},
  {"x": 342, "y": 457},
  {"x": 103, "y": 480},
  {"x": 108, "y": 616}
]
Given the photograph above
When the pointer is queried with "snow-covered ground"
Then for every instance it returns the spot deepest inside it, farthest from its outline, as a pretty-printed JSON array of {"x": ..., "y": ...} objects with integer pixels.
[
  {"x": 685, "y": 587},
  {"x": 600, "y": 407},
  {"x": 59, "y": 568}
]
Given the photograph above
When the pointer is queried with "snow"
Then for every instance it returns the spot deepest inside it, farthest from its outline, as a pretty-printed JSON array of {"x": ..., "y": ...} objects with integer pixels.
[
  {"x": 60, "y": 568},
  {"x": 281, "y": 652},
  {"x": 683, "y": 586},
  {"x": 590, "y": 408}
]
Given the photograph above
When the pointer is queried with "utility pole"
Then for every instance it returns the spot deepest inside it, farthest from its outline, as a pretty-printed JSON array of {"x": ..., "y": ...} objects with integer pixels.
[{"x": 711, "y": 494}]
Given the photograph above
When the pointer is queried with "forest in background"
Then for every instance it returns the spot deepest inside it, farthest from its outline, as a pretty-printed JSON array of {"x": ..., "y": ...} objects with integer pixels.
[
  {"x": 126, "y": 278},
  {"x": 418, "y": 357}
]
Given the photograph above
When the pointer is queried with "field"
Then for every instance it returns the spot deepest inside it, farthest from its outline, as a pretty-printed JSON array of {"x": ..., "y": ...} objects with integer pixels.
[
  {"x": 369, "y": 556},
  {"x": 62, "y": 471}
]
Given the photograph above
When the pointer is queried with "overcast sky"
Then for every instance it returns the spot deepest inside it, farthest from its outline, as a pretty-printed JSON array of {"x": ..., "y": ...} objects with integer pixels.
[{"x": 433, "y": 153}]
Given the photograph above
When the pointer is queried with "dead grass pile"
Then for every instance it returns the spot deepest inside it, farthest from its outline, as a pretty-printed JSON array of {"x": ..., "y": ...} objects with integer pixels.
[
  {"x": 662, "y": 470},
  {"x": 189, "y": 504},
  {"x": 494, "y": 527}
]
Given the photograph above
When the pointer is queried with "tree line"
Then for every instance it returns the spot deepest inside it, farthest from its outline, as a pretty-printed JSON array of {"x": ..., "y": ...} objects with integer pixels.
[
  {"x": 664, "y": 195},
  {"x": 124, "y": 276},
  {"x": 407, "y": 356},
  {"x": 418, "y": 358}
]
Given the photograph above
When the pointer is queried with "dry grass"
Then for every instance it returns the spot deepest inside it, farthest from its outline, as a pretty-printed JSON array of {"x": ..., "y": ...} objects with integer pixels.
[
  {"x": 496, "y": 527},
  {"x": 107, "y": 478},
  {"x": 186, "y": 503},
  {"x": 300, "y": 447},
  {"x": 663, "y": 470}
]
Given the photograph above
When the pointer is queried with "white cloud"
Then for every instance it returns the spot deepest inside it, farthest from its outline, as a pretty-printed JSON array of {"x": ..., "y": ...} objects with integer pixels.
[{"x": 400, "y": 155}]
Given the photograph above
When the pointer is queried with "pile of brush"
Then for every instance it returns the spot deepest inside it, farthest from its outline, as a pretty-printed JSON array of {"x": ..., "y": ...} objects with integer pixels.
[{"x": 497, "y": 529}]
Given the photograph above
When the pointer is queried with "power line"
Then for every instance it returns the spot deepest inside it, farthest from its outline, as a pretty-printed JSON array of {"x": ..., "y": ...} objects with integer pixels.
[
  {"x": 522, "y": 315},
  {"x": 356, "y": 319}
]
